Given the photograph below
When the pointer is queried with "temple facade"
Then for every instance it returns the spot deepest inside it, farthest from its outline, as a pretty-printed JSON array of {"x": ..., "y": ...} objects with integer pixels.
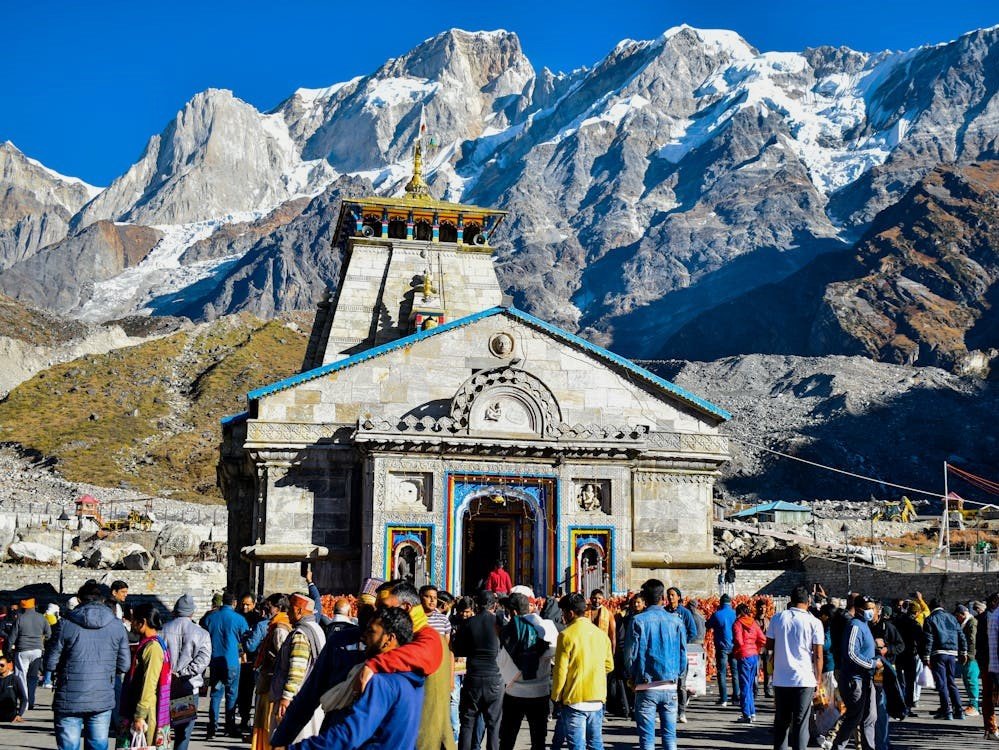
[{"x": 434, "y": 429}]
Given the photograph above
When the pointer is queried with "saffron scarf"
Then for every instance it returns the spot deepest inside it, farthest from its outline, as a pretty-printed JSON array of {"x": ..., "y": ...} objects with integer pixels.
[{"x": 281, "y": 618}]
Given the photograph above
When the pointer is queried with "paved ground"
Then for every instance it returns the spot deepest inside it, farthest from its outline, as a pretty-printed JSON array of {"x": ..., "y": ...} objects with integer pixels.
[{"x": 709, "y": 727}]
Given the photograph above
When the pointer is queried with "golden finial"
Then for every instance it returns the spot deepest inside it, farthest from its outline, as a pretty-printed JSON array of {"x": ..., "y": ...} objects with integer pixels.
[
  {"x": 428, "y": 286},
  {"x": 416, "y": 187}
]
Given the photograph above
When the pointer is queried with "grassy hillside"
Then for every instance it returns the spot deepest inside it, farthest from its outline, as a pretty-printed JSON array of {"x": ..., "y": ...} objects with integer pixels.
[{"x": 147, "y": 417}]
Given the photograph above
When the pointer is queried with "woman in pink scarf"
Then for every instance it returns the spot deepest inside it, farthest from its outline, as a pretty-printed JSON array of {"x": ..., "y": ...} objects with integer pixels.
[{"x": 145, "y": 694}]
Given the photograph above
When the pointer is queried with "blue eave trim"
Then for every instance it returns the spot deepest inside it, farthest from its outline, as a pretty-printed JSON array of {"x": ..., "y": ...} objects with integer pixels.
[
  {"x": 627, "y": 364},
  {"x": 600, "y": 352},
  {"x": 376, "y": 351},
  {"x": 235, "y": 418}
]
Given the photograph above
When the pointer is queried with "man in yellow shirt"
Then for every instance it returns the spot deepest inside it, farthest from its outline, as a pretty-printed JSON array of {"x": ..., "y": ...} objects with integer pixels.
[{"x": 583, "y": 659}]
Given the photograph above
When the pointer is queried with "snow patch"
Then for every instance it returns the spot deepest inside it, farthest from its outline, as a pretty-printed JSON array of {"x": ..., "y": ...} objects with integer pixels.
[
  {"x": 309, "y": 96},
  {"x": 91, "y": 190},
  {"x": 160, "y": 272},
  {"x": 390, "y": 92},
  {"x": 817, "y": 118}
]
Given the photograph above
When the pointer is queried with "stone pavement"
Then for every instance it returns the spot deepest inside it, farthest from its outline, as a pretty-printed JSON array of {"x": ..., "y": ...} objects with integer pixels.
[{"x": 709, "y": 727}]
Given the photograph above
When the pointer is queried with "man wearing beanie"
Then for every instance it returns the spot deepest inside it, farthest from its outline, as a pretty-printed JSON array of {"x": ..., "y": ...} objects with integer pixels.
[{"x": 190, "y": 649}]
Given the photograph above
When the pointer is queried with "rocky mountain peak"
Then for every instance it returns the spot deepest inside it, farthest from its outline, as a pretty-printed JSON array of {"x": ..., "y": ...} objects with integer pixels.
[
  {"x": 36, "y": 204},
  {"x": 29, "y": 177},
  {"x": 218, "y": 156},
  {"x": 478, "y": 58}
]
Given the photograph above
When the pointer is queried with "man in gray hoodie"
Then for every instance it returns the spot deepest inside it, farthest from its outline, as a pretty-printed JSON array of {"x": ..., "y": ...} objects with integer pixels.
[
  {"x": 88, "y": 647},
  {"x": 190, "y": 654},
  {"x": 28, "y": 636}
]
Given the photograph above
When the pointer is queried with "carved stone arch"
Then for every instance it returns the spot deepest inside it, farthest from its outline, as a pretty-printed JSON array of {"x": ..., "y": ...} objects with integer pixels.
[{"x": 505, "y": 399}]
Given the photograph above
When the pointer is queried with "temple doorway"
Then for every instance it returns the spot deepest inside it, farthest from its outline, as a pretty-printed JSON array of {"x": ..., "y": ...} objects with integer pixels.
[{"x": 497, "y": 527}]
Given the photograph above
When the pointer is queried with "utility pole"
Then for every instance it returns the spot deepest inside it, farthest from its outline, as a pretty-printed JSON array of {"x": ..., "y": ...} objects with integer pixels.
[
  {"x": 849, "y": 557},
  {"x": 945, "y": 525}
]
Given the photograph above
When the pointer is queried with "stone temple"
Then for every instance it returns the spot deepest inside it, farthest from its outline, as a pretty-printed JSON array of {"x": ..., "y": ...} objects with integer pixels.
[{"x": 434, "y": 429}]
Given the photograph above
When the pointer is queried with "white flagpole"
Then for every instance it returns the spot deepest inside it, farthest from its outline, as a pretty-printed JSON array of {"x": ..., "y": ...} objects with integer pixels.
[{"x": 945, "y": 526}]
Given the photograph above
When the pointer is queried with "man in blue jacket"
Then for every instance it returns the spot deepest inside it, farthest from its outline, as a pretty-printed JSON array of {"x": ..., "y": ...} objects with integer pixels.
[
  {"x": 657, "y": 655},
  {"x": 720, "y": 624},
  {"x": 857, "y": 661},
  {"x": 85, "y": 652},
  {"x": 226, "y": 628},
  {"x": 674, "y": 604},
  {"x": 386, "y": 716},
  {"x": 945, "y": 644}
]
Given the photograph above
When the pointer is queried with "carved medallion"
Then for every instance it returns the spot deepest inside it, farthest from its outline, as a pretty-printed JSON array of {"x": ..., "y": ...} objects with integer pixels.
[{"x": 501, "y": 345}]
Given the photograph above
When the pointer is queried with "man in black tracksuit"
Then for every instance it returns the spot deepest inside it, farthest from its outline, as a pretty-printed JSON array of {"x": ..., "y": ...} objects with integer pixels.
[
  {"x": 477, "y": 639},
  {"x": 914, "y": 641}
]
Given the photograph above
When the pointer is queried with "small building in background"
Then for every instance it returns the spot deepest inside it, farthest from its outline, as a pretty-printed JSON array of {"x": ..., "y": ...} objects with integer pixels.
[{"x": 776, "y": 512}]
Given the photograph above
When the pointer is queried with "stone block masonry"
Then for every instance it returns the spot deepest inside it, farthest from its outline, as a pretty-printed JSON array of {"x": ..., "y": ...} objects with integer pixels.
[
  {"x": 950, "y": 588},
  {"x": 161, "y": 586}
]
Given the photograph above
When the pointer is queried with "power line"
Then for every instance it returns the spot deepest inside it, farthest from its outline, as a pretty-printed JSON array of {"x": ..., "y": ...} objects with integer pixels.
[
  {"x": 862, "y": 477},
  {"x": 930, "y": 493}
]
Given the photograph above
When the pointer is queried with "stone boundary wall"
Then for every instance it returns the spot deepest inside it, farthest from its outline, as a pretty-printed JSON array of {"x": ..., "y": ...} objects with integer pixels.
[
  {"x": 950, "y": 588},
  {"x": 163, "y": 586},
  {"x": 775, "y": 582}
]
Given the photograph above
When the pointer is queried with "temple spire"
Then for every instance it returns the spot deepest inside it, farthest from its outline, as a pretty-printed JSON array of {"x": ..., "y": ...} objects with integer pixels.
[{"x": 416, "y": 187}]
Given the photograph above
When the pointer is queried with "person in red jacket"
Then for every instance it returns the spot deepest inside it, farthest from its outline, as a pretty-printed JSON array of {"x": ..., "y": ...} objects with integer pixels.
[
  {"x": 748, "y": 639},
  {"x": 498, "y": 581}
]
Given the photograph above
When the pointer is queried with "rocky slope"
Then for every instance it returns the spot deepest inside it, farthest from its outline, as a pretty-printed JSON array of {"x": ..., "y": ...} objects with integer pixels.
[
  {"x": 920, "y": 288},
  {"x": 287, "y": 269},
  {"x": 61, "y": 276},
  {"x": 33, "y": 340},
  {"x": 145, "y": 418},
  {"x": 36, "y": 204},
  {"x": 674, "y": 175},
  {"x": 218, "y": 156},
  {"x": 895, "y": 422}
]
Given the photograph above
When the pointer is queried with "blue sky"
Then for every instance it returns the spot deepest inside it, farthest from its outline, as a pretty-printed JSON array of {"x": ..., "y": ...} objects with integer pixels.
[{"x": 84, "y": 85}]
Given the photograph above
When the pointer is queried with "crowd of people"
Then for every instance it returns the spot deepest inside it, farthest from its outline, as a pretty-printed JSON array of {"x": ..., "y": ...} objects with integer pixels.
[{"x": 401, "y": 668}]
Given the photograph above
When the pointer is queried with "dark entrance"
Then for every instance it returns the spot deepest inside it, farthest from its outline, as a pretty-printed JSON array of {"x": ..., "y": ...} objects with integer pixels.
[
  {"x": 497, "y": 527},
  {"x": 487, "y": 540}
]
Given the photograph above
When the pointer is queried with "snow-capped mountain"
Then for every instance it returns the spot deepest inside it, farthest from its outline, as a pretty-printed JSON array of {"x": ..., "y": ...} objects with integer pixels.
[
  {"x": 218, "y": 156},
  {"x": 671, "y": 176},
  {"x": 36, "y": 204}
]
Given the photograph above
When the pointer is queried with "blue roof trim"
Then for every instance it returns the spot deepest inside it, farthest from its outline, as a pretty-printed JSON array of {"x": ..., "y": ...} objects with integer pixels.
[
  {"x": 318, "y": 372},
  {"x": 524, "y": 317},
  {"x": 627, "y": 364},
  {"x": 235, "y": 418}
]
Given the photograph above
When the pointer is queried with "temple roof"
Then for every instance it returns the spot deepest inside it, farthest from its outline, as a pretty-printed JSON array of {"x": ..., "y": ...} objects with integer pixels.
[{"x": 683, "y": 395}]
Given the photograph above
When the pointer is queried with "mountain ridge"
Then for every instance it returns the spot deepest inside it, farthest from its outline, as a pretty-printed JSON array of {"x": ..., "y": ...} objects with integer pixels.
[{"x": 668, "y": 177}]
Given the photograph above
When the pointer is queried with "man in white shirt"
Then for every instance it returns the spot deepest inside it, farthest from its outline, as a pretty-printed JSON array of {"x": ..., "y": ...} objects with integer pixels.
[{"x": 794, "y": 643}]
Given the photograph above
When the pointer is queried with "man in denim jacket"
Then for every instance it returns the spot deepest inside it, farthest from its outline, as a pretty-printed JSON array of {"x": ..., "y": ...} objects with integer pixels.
[{"x": 657, "y": 655}]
